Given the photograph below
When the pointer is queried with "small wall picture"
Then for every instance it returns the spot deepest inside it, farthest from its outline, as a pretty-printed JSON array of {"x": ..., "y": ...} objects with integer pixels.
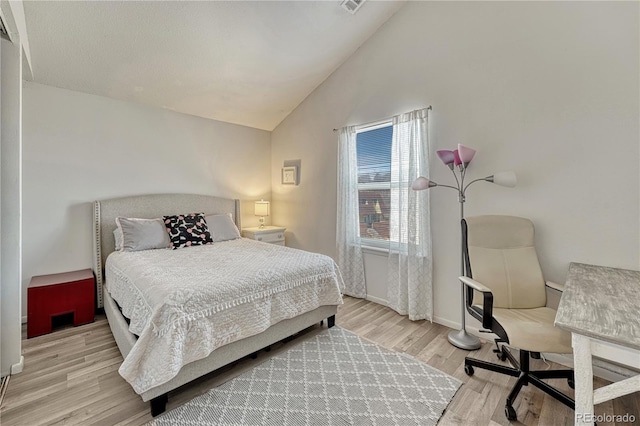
[{"x": 289, "y": 175}]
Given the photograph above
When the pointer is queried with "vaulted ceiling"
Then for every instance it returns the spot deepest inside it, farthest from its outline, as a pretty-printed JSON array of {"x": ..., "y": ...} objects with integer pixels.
[{"x": 242, "y": 62}]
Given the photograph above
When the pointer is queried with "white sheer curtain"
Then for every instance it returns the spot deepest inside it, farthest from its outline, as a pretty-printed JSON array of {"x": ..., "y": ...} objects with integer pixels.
[
  {"x": 348, "y": 221},
  {"x": 409, "y": 284}
]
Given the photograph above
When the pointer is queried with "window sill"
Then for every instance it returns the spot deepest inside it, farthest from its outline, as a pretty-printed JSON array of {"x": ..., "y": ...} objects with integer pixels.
[{"x": 375, "y": 250}]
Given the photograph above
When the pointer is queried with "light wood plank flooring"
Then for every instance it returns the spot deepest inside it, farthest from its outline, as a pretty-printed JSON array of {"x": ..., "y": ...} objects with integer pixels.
[{"x": 71, "y": 377}]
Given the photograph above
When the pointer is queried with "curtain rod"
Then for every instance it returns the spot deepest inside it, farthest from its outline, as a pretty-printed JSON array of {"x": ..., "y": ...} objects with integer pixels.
[{"x": 374, "y": 122}]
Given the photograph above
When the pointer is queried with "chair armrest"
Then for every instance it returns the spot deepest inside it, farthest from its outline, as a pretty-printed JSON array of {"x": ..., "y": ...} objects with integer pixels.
[
  {"x": 487, "y": 303},
  {"x": 555, "y": 286},
  {"x": 475, "y": 285}
]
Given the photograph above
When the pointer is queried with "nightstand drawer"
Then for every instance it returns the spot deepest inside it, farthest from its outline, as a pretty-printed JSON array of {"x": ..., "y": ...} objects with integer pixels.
[
  {"x": 268, "y": 234},
  {"x": 271, "y": 237}
]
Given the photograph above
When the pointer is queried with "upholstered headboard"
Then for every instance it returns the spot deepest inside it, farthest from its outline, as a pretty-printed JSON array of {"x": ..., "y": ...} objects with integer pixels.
[{"x": 148, "y": 207}]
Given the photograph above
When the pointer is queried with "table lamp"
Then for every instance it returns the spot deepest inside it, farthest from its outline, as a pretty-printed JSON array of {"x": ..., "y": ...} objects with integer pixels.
[{"x": 262, "y": 210}]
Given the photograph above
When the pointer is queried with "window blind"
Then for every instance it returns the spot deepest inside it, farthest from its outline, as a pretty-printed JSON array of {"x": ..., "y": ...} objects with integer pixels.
[{"x": 373, "y": 149}]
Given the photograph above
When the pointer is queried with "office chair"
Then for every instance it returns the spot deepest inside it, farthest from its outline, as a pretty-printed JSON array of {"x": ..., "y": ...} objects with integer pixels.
[{"x": 503, "y": 272}]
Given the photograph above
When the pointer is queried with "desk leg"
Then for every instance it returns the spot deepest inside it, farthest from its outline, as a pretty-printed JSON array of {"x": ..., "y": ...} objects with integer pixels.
[{"x": 583, "y": 371}]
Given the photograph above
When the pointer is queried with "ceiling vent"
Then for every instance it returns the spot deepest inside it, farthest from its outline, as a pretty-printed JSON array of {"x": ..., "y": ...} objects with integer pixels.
[{"x": 352, "y": 6}]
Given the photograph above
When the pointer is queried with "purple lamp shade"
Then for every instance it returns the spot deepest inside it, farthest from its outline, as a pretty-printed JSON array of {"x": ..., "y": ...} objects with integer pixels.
[
  {"x": 446, "y": 156},
  {"x": 457, "y": 161},
  {"x": 422, "y": 183},
  {"x": 466, "y": 153}
]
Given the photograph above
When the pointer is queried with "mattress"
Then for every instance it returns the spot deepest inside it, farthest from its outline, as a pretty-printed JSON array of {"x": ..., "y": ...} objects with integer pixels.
[{"x": 185, "y": 303}]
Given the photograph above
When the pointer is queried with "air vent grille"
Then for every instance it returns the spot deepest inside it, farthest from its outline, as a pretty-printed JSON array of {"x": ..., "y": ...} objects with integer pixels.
[{"x": 352, "y": 6}]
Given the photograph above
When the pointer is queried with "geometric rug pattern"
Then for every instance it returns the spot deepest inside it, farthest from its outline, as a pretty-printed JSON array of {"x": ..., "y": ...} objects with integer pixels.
[{"x": 332, "y": 378}]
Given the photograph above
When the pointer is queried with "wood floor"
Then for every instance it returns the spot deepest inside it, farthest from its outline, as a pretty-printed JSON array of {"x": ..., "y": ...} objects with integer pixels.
[{"x": 71, "y": 377}]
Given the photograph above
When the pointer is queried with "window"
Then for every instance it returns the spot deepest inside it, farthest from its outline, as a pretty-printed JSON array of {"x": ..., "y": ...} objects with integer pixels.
[
  {"x": 376, "y": 208},
  {"x": 373, "y": 147}
]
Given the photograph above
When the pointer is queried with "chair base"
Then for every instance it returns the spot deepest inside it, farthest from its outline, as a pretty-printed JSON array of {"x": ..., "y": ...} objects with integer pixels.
[{"x": 525, "y": 376}]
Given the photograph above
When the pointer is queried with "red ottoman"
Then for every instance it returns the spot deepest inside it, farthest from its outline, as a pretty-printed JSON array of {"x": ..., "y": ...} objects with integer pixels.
[{"x": 58, "y": 294}]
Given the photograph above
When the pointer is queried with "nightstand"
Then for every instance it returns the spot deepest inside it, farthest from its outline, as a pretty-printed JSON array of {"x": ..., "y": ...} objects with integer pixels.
[
  {"x": 53, "y": 295},
  {"x": 268, "y": 234}
]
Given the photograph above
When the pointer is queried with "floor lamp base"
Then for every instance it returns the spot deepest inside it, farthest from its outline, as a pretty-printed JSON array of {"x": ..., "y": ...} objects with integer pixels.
[{"x": 463, "y": 340}]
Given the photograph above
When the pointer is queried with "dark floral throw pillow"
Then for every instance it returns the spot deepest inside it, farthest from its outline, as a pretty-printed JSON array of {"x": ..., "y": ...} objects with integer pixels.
[{"x": 187, "y": 230}]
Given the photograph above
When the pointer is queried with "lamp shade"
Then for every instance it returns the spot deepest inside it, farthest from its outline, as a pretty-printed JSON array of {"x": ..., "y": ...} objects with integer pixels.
[
  {"x": 422, "y": 183},
  {"x": 507, "y": 179},
  {"x": 456, "y": 158},
  {"x": 262, "y": 208},
  {"x": 446, "y": 156},
  {"x": 466, "y": 154}
]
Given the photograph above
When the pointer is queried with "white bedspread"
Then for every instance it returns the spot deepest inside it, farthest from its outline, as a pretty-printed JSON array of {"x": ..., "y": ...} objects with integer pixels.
[{"x": 185, "y": 303}]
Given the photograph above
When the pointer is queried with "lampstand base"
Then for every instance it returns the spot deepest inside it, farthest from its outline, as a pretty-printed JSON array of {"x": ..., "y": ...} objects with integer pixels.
[{"x": 463, "y": 340}]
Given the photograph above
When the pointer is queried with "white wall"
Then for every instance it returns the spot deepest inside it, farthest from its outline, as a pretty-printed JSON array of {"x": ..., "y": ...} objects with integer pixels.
[
  {"x": 547, "y": 89},
  {"x": 10, "y": 214},
  {"x": 80, "y": 147}
]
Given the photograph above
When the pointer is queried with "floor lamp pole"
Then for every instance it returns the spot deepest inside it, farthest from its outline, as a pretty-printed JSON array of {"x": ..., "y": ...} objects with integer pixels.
[
  {"x": 459, "y": 160},
  {"x": 460, "y": 338}
]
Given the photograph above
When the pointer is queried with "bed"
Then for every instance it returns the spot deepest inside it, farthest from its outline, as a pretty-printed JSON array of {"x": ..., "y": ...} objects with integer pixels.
[{"x": 280, "y": 326}]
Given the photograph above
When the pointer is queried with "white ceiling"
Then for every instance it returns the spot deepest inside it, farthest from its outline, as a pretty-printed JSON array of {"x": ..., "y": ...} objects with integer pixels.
[{"x": 249, "y": 63}]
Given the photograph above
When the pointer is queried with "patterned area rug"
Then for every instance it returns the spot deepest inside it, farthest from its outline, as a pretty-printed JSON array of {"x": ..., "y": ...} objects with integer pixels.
[{"x": 333, "y": 378}]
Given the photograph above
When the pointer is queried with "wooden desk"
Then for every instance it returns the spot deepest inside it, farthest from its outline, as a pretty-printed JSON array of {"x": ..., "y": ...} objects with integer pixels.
[{"x": 600, "y": 307}]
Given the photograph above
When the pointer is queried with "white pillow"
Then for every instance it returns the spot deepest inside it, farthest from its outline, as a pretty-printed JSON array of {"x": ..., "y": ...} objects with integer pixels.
[
  {"x": 221, "y": 227},
  {"x": 142, "y": 234},
  {"x": 117, "y": 235}
]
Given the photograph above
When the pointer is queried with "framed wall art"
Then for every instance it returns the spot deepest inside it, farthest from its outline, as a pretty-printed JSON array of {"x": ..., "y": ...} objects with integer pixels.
[{"x": 290, "y": 175}]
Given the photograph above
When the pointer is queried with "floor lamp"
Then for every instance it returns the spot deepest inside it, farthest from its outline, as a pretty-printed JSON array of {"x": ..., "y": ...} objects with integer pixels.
[{"x": 458, "y": 162}]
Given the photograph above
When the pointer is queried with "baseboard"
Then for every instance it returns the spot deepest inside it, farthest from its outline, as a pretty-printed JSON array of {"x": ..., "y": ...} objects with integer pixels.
[
  {"x": 437, "y": 320},
  {"x": 377, "y": 300},
  {"x": 17, "y": 368},
  {"x": 447, "y": 323},
  {"x": 24, "y": 319},
  {"x": 471, "y": 329}
]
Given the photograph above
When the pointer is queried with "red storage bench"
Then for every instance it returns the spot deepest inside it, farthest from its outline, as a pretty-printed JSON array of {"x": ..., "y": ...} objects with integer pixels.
[{"x": 52, "y": 295}]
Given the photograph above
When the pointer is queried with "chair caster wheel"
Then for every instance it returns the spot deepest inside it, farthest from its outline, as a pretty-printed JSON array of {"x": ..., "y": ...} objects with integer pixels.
[
  {"x": 571, "y": 383},
  {"x": 468, "y": 370},
  {"x": 510, "y": 413}
]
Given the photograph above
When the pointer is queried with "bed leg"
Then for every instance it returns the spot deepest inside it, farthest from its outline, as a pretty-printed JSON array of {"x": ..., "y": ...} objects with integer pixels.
[
  {"x": 159, "y": 404},
  {"x": 331, "y": 321},
  {"x": 254, "y": 355}
]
